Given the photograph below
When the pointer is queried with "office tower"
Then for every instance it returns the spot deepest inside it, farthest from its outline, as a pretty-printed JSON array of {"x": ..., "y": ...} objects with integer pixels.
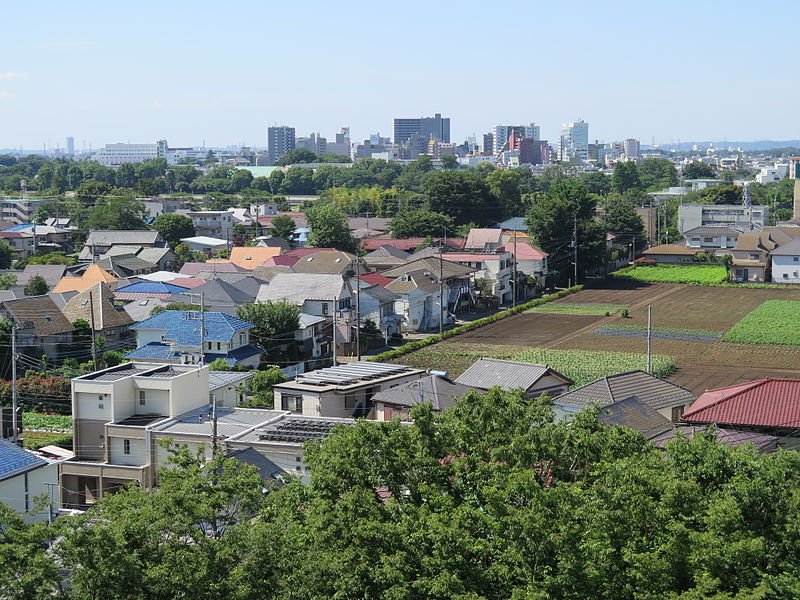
[
  {"x": 501, "y": 135},
  {"x": 70, "y": 146},
  {"x": 425, "y": 127},
  {"x": 314, "y": 142},
  {"x": 631, "y": 148},
  {"x": 574, "y": 141},
  {"x": 532, "y": 131},
  {"x": 488, "y": 142},
  {"x": 342, "y": 143},
  {"x": 280, "y": 140}
]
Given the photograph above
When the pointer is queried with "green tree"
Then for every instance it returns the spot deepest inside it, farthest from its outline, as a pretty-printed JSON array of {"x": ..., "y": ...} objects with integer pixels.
[
  {"x": 90, "y": 192},
  {"x": 625, "y": 177},
  {"x": 261, "y": 395},
  {"x": 329, "y": 228},
  {"x": 551, "y": 221},
  {"x": 698, "y": 170},
  {"x": 722, "y": 194},
  {"x": 275, "y": 324},
  {"x": 420, "y": 222},
  {"x": 449, "y": 161},
  {"x": 261, "y": 183},
  {"x": 621, "y": 219},
  {"x": 173, "y": 227},
  {"x": 83, "y": 329},
  {"x": 7, "y": 255},
  {"x": 219, "y": 364},
  {"x": 462, "y": 195},
  {"x": 117, "y": 213},
  {"x": 185, "y": 254},
  {"x": 296, "y": 156},
  {"x": 504, "y": 185},
  {"x": 241, "y": 179},
  {"x": 126, "y": 176},
  {"x": 298, "y": 180},
  {"x": 657, "y": 174},
  {"x": 283, "y": 226},
  {"x": 37, "y": 286},
  {"x": 7, "y": 281}
]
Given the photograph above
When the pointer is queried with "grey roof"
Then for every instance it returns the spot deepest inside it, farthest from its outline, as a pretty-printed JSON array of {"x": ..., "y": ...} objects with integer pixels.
[
  {"x": 633, "y": 413},
  {"x": 653, "y": 391},
  {"x": 267, "y": 272},
  {"x": 725, "y": 230},
  {"x": 381, "y": 294},
  {"x": 420, "y": 279},
  {"x": 486, "y": 373},
  {"x": 220, "y": 379},
  {"x": 267, "y": 470},
  {"x": 439, "y": 391},
  {"x": 11, "y": 295},
  {"x": 123, "y": 236},
  {"x": 52, "y": 274},
  {"x": 141, "y": 309},
  {"x": 230, "y": 421},
  {"x": 299, "y": 287},
  {"x": 193, "y": 268},
  {"x": 434, "y": 265},
  {"x": 514, "y": 223},
  {"x": 217, "y": 291},
  {"x": 387, "y": 255},
  {"x": 119, "y": 264},
  {"x": 788, "y": 249},
  {"x": 376, "y": 223},
  {"x": 351, "y": 374},
  {"x": 762, "y": 442},
  {"x": 307, "y": 320},
  {"x": 39, "y": 313}
]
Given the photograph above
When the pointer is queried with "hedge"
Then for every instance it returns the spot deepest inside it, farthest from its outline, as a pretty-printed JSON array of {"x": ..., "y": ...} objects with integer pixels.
[{"x": 413, "y": 346}]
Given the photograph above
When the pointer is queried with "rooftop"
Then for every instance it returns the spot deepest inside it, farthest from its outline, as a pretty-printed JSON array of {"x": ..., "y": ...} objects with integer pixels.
[
  {"x": 486, "y": 373},
  {"x": 353, "y": 373},
  {"x": 648, "y": 389},
  {"x": 230, "y": 421},
  {"x": 183, "y": 326},
  {"x": 16, "y": 461},
  {"x": 134, "y": 369},
  {"x": 294, "y": 429}
]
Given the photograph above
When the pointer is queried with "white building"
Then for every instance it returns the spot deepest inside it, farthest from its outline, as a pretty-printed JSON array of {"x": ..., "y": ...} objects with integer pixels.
[
  {"x": 786, "y": 262},
  {"x": 746, "y": 218},
  {"x": 574, "y": 141},
  {"x": 630, "y": 147},
  {"x": 501, "y": 134},
  {"x": 24, "y": 476},
  {"x": 772, "y": 174},
  {"x": 212, "y": 223}
]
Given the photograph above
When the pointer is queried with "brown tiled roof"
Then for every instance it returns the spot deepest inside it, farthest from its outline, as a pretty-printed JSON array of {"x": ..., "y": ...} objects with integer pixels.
[
  {"x": 669, "y": 249},
  {"x": 105, "y": 315},
  {"x": 39, "y": 313},
  {"x": 408, "y": 282},
  {"x": 330, "y": 262}
]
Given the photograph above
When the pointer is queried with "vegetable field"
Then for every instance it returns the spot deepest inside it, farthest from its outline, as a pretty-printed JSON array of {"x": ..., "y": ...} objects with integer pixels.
[
  {"x": 697, "y": 275},
  {"x": 577, "y": 309},
  {"x": 661, "y": 333},
  {"x": 775, "y": 322},
  {"x": 33, "y": 420}
]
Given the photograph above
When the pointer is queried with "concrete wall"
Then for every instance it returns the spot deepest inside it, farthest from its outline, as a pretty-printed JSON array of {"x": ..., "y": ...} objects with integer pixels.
[
  {"x": 138, "y": 455},
  {"x": 20, "y": 492},
  {"x": 786, "y": 269}
]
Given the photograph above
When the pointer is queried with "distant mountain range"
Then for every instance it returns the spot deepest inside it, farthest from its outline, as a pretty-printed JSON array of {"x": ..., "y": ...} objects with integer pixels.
[{"x": 752, "y": 146}]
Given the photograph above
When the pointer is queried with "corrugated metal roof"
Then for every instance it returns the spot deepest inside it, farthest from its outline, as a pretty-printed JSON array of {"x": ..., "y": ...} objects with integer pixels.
[
  {"x": 486, "y": 373},
  {"x": 764, "y": 403},
  {"x": 653, "y": 391},
  {"x": 230, "y": 421}
]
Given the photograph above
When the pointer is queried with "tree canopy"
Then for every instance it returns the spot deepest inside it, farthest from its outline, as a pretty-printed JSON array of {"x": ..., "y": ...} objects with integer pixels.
[
  {"x": 173, "y": 227},
  {"x": 329, "y": 228},
  {"x": 275, "y": 324},
  {"x": 420, "y": 222}
]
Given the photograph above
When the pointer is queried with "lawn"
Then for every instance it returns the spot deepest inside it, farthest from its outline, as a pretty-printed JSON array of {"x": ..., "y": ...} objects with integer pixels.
[
  {"x": 577, "y": 309},
  {"x": 697, "y": 275},
  {"x": 775, "y": 322}
]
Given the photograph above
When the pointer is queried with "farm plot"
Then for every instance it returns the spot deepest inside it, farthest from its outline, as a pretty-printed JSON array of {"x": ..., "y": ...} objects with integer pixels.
[
  {"x": 45, "y": 422},
  {"x": 697, "y": 275},
  {"x": 577, "y": 309},
  {"x": 659, "y": 333},
  {"x": 775, "y": 322},
  {"x": 529, "y": 329}
]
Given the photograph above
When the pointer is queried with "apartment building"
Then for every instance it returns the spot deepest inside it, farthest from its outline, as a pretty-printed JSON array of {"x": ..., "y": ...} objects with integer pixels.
[
  {"x": 212, "y": 223},
  {"x": 747, "y": 218}
]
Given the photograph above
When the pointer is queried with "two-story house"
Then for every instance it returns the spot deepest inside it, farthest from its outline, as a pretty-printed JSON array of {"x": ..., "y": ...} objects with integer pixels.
[
  {"x": 710, "y": 238},
  {"x": 40, "y": 325},
  {"x": 212, "y": 223},
  {"x": 493, "y": 267},
  {"x": 377, "y": 304},
  {"x": 174, "y": 336},
  {"x": 751, "y": 255},
  {"x": 101, "y": 241},
  {"x": 786, "y": 262},
  {"x": 95, "y": 306},
  {"x": 483, "y": 240},
  {"x": 21, "y": 243}
]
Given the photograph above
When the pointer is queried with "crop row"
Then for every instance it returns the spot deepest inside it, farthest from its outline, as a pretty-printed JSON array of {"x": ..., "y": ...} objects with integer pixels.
[
  {"x": 577, "y": 309},
  {"x": 773, "y": 322},
  {"x": 33, "y": 420},
  {"x": 691, "y": 274},
  {"x": 660, "y": 333}
]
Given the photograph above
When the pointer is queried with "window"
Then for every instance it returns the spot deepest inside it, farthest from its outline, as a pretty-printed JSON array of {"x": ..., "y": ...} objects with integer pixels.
[
  {"x": 141, "y": 398},
  {"x": 708, "y": 240},
  {"x": 677, "y": 413},
  {"x": 219, "y": 346},
  {"x": 126, "y": 446},
  {"x": 786, "y": 276},
  {"x": 796, "y": 258},
  {"x": 350, "y": 401},
  {"x": 324, "y": 308},
  {"x": 291, "y": 402},
  {"x": 242, "y": 339},
  {"x": 754, "y": 257}
]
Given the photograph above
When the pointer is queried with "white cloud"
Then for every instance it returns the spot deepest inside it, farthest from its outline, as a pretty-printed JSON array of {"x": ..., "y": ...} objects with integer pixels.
[
  {"x": 4, "y": 95},
  {"x": 13, "y": 75},
  {"x": 156, "y": 105}
]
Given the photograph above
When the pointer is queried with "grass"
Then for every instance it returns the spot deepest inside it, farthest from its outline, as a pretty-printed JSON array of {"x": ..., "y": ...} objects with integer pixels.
[
  {"x": 33, "y": 440},
  {"x": 577, "y": 309},
  {"x": 691, "y": 274},
  {"x": 33, "y": 420},
  {"x": 775, "y": 322}
]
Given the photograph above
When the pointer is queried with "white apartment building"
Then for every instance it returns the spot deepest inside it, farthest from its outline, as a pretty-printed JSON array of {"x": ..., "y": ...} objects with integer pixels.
[
  {"x": 747, "y": 218},
  {"x": 574, "y": 141},
  {"x": 494, "y": 267},
  {"x": 212, "y": 223},
  {"x": 502, "y": 132},
  {"x": 113, "y": 155},
  {"x": 772, "y": 174}
]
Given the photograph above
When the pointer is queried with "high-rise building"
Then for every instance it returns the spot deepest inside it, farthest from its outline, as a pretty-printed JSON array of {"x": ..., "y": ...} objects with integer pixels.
[
  {"x": 314, "y": 142},
  {"x": 503, "y": 132},
  {"x": 280, "y": 141},
  {"x": 630, "y": 148},
  {"x": 488, "y": 142},
  {"x": 342, "y": 143},
  {"x": 70, "y": 146},
  {"x": 425, "y": 127},
  {"x": 574, "y": 141}
]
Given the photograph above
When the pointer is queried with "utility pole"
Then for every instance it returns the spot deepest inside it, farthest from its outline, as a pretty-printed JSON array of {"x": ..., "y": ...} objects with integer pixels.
[
  {"x": 14, "y": 399},
  {"x": 214, "y": 446},
  {"x": 575, "y": 244},
  {"x": 514, "y": 271},
  {"x": 441, "y": 291},
  {"x": 334, "y": 332},
  {"x": 91, "y": 320},
  {"x": 649, "y": 331},
  {"x": 202, "y": 331},
  {"x": 358, "y": 313},
  {"x": 50, "y": 487}
]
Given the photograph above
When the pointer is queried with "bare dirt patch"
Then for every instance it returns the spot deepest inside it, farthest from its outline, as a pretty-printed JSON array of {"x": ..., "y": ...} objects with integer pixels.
[{"x": 530, "y": 329}]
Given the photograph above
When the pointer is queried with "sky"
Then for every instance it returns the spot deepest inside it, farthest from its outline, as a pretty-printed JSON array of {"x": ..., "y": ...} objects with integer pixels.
[{"x": 219, "y": 73}]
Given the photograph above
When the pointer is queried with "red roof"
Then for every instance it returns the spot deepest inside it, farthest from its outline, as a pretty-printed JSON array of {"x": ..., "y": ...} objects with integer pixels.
[
  {"x": 764, "y": 403},
  {"x": 375, "y": 279},
  {"x": 187, "y": 282},
  {"x": 282, "y": 260},
  {"x": 524, "y": 251},
  {"x": 474, "y": 257}
]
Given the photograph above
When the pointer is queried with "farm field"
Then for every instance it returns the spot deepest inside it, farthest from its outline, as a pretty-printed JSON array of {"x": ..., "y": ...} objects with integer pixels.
[
  {"x": 702, "y": 275},
  {"x": 774, "y": 322},
  {"x": 577, "y": 309},
  {"x": 702, "y": 363}
]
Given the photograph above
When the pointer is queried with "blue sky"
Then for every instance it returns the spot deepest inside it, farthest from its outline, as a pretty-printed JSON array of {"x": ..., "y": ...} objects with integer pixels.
[{"x": 220, "y": 72}]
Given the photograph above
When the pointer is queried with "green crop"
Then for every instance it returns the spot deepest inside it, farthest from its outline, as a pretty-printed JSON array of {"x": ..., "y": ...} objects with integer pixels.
[
  {"x": 705, "y": 275},
  {"x": 774, "y": 322},
  {"x": 577, "y": 309},
  {"x": 32, "y": 420}
]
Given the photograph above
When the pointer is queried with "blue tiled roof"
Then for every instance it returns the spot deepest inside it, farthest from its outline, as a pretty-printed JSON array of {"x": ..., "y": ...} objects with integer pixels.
[
  {"x": 157, "y": 351},
  {"x": 183, "y": 326},
  {"x": 151, "y": 287},
  {"x": 20, "y": 227},
  {"x": 15, "y": 461}
]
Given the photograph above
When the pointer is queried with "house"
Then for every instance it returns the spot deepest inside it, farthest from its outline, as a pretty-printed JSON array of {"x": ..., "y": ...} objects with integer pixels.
[
  {"x": 174, "y": 336},
  {"x": 314, "y": 293},
  {"x": 101, "y": 241},
  {"x": 21, "y": 242},
  {"x": 377, "y": 304},
  {"x": 768, "y": 406},
  {"x": 312, "y": 337},
  {"x": 52, "y": 274},
  {"x": 141, "y": 309},
  {"x": 375, "y": 279},
  {"x": 712, "y": 237},
  {"x": 409, "y": 244},
  {"x": 329, "y": 261},
  {"x": 204, "y": 243},
  {"x": 666, "y": 398},
  {"x": 227, "y": 388},
  {"x": 739, "y": 216},
  {"x": 670, "y": 254},
  {"x": 241, "y": 216},
  {"x": 270, "y": 473},
  {"x": 213, "y": 223},
  {"x": 421, "y": 301},
  {"x": 436, "y": 389},
  {"x": 193, "y": 268},
  {"x": 528, "y": 262},
  {"x": 456, "y": 279},
  {"x": 220, "y": 295},
  {"x": 483, "y": 240},
  {"x": 95, "y": 306},
  {"x": 267, "y": 272},
  {"x": 40, "y": 324},
  {"x": 142, "y": 290},
  {"x": 24, "y": 477},
  {"x": 751, "y": 255},
  {"x": 492, "y": 267},
  {"x": 534, "y": 380},
  {"x": 375, "y": 225},
  {"x": 342, "y": 391},
  {"x": 46, "y": 237},
  {"x": 635, "y": 414},
  {"x": 786, "y": 262},
  {"x": 92, "y": 275},
  {"x": 162, "y": 256},
  {"x": 247, "y": 257},
  {"x": 126, "y": 265},
  {"x": 386, "y": 257}
]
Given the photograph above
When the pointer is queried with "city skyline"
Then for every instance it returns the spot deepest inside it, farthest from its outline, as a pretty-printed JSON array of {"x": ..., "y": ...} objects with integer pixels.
[{"x": 140, "y": 73}]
